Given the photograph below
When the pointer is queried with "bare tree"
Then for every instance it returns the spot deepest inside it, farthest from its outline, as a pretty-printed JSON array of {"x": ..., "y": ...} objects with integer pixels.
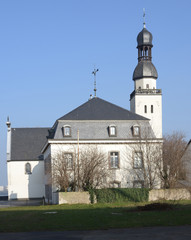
[
  {"x": 173, "y": 168},
  {"x": 79, "y": 171},
  {"x": 64, "y": 170},
  {"x": 93, "y": 168},
  {"x": 146, "y": 162},
  {"x": 186, "y": 182}
]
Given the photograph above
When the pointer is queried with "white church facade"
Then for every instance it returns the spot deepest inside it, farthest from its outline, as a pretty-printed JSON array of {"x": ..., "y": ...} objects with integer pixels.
[{"x": 113, "y": 130}]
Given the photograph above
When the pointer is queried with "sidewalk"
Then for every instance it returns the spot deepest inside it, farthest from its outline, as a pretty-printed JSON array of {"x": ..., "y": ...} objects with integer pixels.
[{"x": 17, "y": 203}]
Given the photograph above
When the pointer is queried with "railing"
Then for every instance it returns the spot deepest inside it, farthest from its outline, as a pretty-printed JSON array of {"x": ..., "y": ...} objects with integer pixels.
[{"x": 146, "y": 91}]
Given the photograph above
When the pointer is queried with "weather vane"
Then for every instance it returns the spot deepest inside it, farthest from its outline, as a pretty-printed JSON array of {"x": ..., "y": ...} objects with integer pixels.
[
  {"x": 94, "y": 73},
  {"x": 144, "y": 17}
]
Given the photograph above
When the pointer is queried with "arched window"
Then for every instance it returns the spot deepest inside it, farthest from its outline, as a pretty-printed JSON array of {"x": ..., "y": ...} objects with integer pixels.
[
  {"x": 66, "y": 131},
  {"x": 112, "y": 131},
  {"x": 28, "y": 168}
]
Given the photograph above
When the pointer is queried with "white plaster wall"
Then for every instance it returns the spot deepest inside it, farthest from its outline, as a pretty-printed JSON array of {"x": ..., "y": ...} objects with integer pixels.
[
  {"x": 143, "y": 83},
  {"x": 125, "y": 158},
  {"x": 122, "y": 174},
  {"x": 139, "y": 101},
  {"x": 25, "y": 186},
  {"x": 125, "y": 174}
]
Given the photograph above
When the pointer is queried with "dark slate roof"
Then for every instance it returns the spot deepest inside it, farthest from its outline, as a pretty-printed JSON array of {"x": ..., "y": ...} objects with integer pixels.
[
  {"x": 144, "y": 38},
  {"x": 26, "y": 143},
  {"x": 145, "y": 69},
  {"x": 99, "y": 109}
]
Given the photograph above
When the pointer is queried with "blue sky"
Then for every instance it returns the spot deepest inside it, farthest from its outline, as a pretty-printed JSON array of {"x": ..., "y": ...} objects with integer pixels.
[{"x": 48, "y": 49}]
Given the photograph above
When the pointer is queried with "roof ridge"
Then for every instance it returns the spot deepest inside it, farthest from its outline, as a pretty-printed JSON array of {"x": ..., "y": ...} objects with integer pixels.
[
  {"x": 75, "y": 109},
  {"x": 100, "y": 109},
  {"x": 30, "y": 127}
]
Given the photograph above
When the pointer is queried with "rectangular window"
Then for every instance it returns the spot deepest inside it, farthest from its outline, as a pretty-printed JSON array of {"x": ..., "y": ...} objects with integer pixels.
[
  {"x": 145, "y": 108},
  {"x": 68, "y": 159},
  {"x": 138, "y": 160},
  {"x": 152, "y": 110},
  {"x": 114, "y": 160},
  {"x": 147, "y": 86}
]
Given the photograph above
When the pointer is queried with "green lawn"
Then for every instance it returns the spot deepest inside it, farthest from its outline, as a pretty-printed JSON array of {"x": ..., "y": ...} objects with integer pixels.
[{"x": 84, "y": 217}]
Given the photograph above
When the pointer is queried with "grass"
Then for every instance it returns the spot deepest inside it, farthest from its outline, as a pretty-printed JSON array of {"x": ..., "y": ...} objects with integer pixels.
[{"x": 89, "y": 217}]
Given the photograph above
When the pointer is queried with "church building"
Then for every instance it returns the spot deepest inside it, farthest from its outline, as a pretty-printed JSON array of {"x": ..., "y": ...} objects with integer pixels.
[{"x": 114, "y": 130}]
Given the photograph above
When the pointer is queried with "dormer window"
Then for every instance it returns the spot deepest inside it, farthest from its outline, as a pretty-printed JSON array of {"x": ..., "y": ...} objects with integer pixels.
[
  {"x": 136, "y": 131},
  {"x": 112, "y": 131},
  {"x": 67, "y": 131}
]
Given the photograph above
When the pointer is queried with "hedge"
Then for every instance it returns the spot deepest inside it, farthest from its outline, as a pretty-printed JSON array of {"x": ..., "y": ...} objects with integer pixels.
[{"x": 108, "y": 195}]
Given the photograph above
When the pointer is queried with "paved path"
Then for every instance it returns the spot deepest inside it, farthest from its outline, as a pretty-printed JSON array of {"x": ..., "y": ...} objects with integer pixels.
[
  {"x": 16, "y": 203},
  {"x": 147, "y": 233}
]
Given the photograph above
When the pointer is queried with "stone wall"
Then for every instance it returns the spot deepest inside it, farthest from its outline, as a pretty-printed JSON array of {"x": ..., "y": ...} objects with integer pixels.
[
  {"x": 74, "y": 197},
  {"x": 169, "y": 194},
  {"x": 154, "y": 195}
]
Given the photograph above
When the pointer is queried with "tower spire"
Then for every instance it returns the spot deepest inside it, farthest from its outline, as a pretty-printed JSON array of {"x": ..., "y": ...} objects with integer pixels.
[
  {"x": 8, "y": 123},
  {"x": 144, "y": 25},
  {"x": 94, "y": 73},
  {"x": 144, "y": 77}
]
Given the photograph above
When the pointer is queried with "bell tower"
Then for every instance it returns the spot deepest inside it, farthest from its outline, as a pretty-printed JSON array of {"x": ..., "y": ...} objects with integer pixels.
[{"x": 146, "y": 99}]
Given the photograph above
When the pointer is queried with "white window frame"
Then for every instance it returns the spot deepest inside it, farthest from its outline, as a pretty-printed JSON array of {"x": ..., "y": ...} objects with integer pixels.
[
  {"x": 138, "y": 160},
  {"x": 114, "y": 160},
  {"x": 136, "y": 133},
  {"x": 67, "y": 134},
  {"x": 111, "y": 129},
  {"x": 68, "y": 161}
]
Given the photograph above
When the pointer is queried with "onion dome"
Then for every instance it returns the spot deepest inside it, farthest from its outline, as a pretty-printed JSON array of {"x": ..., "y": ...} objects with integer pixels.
[
  {"x": 145, "y": 67},
  {"x": 144, "y": 38}
]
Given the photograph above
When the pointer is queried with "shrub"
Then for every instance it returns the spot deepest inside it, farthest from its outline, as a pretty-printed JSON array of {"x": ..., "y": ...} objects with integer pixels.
[{"x": 109, "y": 195}]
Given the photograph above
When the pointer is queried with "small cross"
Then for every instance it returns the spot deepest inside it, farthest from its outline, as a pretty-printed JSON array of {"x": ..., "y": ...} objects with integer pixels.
[
  {"x": 94, "y": 73},
  {"x": 144, "y": 17}
]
